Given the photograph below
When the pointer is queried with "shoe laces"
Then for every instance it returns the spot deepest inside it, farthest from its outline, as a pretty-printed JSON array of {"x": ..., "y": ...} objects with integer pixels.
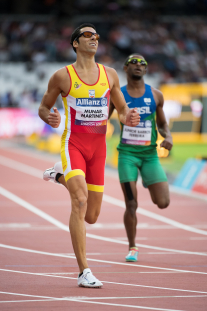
[
  {"x": 90, "y": 277},
  {"x": 133, "y": 251}
]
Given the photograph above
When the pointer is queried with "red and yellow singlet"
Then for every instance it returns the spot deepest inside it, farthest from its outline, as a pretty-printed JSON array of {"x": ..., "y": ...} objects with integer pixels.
[{"x": 83, "y": 146}]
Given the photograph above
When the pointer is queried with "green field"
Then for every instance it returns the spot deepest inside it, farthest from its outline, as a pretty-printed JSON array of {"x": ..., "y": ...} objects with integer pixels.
[{"x": 176, "y": 159}]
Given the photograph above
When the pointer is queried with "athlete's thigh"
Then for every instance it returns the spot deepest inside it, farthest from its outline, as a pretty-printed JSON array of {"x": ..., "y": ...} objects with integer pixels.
[
  {"x": 73, "y": 161},
  {"x": 95, "y": 169},
  {"x": 152, "y": 171},
  {"x": 77, "y": 187},
  {"x": 160, "y": 194},
  {"x": 127, "y": 168}
]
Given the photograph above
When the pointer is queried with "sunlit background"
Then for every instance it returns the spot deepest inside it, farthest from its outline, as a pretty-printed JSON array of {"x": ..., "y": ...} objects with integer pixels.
[{"x": 171, "y": 35}]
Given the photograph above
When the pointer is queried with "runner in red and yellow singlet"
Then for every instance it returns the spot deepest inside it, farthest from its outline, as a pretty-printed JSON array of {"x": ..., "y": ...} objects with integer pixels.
[
  {"x": 85, "y": 87},
  {"x": 86, "y": 109}
]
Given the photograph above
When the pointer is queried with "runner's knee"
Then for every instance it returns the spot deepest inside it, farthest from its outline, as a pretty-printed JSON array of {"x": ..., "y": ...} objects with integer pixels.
[
  {"x": 91, "y": 218},
  {"x": 131, "y": 207},
  {"x": 163, "y": 203},
  {"x": 79, "y": 205}
]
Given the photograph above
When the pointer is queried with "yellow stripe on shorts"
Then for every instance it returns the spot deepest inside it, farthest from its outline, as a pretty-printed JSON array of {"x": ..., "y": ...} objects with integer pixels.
[
  {"x": 95, "y": 188},
  {"x": 74, "y": 173}
]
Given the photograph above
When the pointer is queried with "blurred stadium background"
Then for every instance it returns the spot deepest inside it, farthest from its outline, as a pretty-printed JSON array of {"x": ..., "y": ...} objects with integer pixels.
[{"x": 171, "y": 35}]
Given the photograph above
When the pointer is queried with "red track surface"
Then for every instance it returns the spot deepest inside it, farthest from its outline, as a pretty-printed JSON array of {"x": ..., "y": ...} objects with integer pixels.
[{"x": 41, "y": 273}]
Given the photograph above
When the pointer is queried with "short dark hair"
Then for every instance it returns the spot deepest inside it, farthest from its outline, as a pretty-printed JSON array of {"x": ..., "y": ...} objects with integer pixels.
[
  {"x": 76, "y": 33},
  {"x": 131, "y": 56}
]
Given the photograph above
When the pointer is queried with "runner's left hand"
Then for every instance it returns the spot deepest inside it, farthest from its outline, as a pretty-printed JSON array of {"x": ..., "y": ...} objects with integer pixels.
[
  {"x": 167, "y": 143},
  {"x": 133, "y": 117},
  {"x": 54, "y": 118}
]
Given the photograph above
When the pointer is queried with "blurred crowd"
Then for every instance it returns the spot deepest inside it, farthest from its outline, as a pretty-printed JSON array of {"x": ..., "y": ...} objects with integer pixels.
[
  {"x": 175, "y": 45},
  {"x": 27, "y": 98}
]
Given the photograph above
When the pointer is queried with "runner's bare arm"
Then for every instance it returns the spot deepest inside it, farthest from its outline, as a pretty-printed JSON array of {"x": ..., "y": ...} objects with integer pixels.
[
  {"x": 56, "y": 86},
  {"x": 127, "y": 116},
  {"x": 111, "y": 109},
  {"x": 161, "y": 121}
]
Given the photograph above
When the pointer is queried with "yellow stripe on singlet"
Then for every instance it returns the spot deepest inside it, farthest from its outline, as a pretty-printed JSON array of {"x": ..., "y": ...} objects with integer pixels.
[{"x": 95, "y": 188}]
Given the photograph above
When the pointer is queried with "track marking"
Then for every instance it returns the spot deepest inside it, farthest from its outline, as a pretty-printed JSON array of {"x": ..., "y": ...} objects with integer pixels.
[
  {"x": 124, "y": 284},
  {"x": 144, "y": 212},
  {"x": 106, "y": 198},
  {"x": 24, "y": 227},
  {"x": 14, "y": 148},
  {"x": 24, "y": 168},
  {"x": 98, "y": 260},
  {"x": 91, "y": 302},
  {"x": 140, "y": 297},
  {"x": 198, "y": 238},
  {"x": 103, "y": 298},
  {"x": 62, "y": 226},
  {"x": 9, "y": 301}
]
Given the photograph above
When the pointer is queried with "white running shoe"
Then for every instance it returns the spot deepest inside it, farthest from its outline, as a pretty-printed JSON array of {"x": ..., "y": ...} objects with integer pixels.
[
  {"x": 87, "y": 279},
  {"x": 50, "y": 174}
]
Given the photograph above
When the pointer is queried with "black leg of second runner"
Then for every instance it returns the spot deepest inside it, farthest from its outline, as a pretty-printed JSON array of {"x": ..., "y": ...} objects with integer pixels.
[{"x": 130, "y": 217}]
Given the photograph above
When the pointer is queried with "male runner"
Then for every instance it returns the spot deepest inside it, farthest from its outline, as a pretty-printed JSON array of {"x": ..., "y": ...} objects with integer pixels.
[
  {"x": 86, "y": 88},
  {"x": 137, "y": 147}
]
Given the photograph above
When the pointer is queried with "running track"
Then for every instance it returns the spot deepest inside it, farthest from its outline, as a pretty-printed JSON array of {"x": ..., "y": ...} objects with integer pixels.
[{"x": 38, "y": 270}]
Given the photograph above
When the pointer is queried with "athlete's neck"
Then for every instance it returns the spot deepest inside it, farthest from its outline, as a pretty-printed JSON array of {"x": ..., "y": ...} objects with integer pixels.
[
  {"x": 87, "y": 69},
  {"x": 135, "y": 88},
  {"x": 85, "y": 62}
]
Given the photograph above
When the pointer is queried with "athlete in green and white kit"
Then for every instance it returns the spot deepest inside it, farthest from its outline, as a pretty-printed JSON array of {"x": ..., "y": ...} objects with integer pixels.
[{"x": 137, "y": 147}]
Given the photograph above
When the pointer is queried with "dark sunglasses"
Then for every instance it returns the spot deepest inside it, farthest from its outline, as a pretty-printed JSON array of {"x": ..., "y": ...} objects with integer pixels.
[
  {"x": 88, "y": 34},
  {"x": 134, "y": 61}
]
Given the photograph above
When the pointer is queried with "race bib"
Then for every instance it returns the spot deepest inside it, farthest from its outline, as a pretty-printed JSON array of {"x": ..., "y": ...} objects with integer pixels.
[
  {"x": 91, "y": 111},
  {"x": 139, "y": 135}
]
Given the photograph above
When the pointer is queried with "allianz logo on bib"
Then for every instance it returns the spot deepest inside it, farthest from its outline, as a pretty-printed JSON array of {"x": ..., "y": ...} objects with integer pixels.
[{"x": 95, "y": 102}]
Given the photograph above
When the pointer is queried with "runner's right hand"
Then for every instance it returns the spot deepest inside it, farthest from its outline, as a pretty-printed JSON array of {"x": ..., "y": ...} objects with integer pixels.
[
  {"x": 54, "y": 118},
  {"x": 133, "y": 117}
]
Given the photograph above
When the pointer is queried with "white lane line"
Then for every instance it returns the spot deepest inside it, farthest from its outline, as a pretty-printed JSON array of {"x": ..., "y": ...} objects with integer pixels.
[
  {"x": 60, "y": 225},
  {"x": 26, "y": 295},
  {"x": 106, "y": 198},
  {"x": 98, "y": 237},
  {"x": 24, "y": 227},
  {"x": 144, "y": 212},
  {"x": 126, "y": 306},
  {"x": 141, "y": 297},
  {"x": 98, "y": 260},
  {"x": 32, "y": 209},
  {"x": 93, "y": 302},
  {"x": 124, "y": 284},
  {"x": 34, "y": 300},
  {"x": 18, "y": 166},
  {"x": 59, "y": 273},
  {"x": 108, "y": 172},
  {"x": 103, "y": 298},
  {"x": 15, "y": 225}
]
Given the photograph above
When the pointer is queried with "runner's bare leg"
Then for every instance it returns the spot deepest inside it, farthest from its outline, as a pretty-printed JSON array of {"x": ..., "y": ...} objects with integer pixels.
[
  {"x": 79, "y": 198},
  {"x": 130, "y": 217}
]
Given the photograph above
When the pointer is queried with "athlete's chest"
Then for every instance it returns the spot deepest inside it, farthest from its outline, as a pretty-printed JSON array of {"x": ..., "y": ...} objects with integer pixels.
[
  {"x": 145, "y": 105},
  {"x": 88, "y": 78}
]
